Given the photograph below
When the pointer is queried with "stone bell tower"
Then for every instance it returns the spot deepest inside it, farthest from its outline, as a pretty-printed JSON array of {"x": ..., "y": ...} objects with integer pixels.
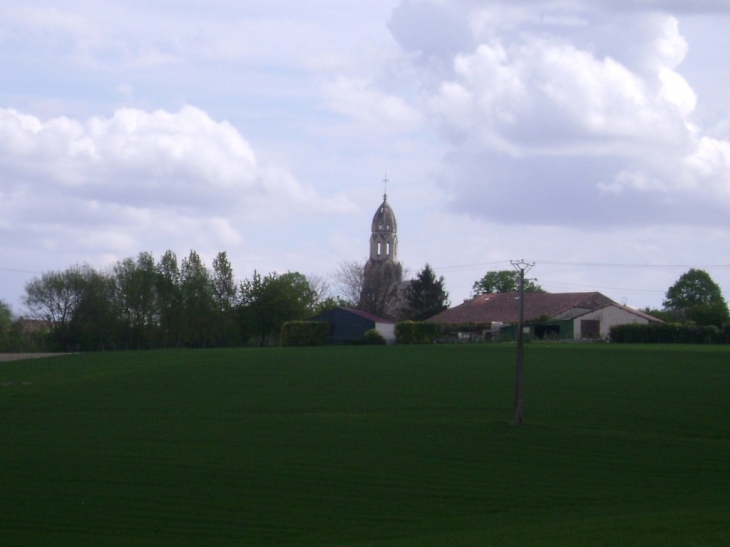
[{"x": 383, "y": 273}]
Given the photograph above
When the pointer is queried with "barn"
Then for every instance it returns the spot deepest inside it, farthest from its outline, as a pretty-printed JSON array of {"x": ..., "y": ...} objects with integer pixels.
[
  {"x": 588, "y": 315},
  {"x": 349, "y": 325}
]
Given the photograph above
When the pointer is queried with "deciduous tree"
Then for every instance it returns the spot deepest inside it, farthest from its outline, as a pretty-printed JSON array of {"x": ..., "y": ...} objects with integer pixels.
[
  {"x": 350, "y": 278},
  {"x": 6, "y": 323},
  {"x": 169, "y": 300},
  {"x": 696, "y": 297},
  {"x": 268, "y": 302},
  {"x": 54, "y": 296},
  {"x": 196, "y": 289},
  {"x": 96, "y": 323},
  {"x": 503, "y": 281},
  {"x": 136, "y": 299},
  {"x": 225, "y": 296},
  {"x": 63, "y": 299}
]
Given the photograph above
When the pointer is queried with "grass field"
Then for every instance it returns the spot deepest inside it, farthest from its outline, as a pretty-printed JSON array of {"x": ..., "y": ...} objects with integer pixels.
[{"x": 368, "y": 446}]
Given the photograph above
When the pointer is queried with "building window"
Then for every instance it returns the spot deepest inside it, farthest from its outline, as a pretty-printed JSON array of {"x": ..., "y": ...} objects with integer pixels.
[
  {"x": 378, "y": 248},
  {"x": 387, "y": 249},
  {"x": 590, "y": 328}
]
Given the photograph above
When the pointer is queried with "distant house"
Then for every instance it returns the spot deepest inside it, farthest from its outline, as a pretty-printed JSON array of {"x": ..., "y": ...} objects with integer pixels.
[
  {"x": 35, "y": 325},
  {"x": 547, "y": 315},
  {"x": 350, "y": 325}
]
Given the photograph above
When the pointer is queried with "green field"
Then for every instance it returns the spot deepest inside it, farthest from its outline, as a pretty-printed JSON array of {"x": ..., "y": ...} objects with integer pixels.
[{"x": 386, "y": 446}]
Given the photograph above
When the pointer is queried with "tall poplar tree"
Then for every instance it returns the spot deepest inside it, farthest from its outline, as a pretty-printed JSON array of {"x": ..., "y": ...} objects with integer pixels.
[
  {"x": 197, "y": 298},
  {"x": 225, "y": 295}
]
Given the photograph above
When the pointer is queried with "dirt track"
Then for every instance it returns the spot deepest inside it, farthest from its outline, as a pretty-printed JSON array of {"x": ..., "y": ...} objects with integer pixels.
[{"x": 19, "y": 356}]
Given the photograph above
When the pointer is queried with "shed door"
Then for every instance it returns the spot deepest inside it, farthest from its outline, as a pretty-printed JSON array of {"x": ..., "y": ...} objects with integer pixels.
[{"x": 590, "y": 328}]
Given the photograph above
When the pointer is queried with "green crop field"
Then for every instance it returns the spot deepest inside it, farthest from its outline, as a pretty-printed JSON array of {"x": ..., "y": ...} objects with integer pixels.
[{"x": 368, "y": 446}]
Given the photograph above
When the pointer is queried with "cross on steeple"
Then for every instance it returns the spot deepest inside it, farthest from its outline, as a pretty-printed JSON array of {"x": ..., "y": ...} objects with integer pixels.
[{"x": 385, "y": 187}]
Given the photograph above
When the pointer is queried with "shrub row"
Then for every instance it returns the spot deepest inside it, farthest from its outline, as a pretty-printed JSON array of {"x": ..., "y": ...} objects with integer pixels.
[
  {"x": 669, "y": 333},
  {"x": 304, "y": 333},
  {"x": 471, "y": 328},
  {"x": 373, "y": 338},
  {"x": 314, "y": 333},
  {"x": 416, "y": 332}
]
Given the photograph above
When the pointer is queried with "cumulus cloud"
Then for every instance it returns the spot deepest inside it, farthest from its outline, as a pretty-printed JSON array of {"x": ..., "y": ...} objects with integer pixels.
[
  {"x": 360, "y": 101},
  {"x": 161, "y": 159},
  {"x": 138, "y": 177},
  {"x": 552, "y": 118},
  {"x": 697, "y": 6},
  {"x": 548, "y": 95}
]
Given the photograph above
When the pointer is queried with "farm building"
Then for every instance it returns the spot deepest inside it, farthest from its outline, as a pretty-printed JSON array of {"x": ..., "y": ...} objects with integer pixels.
[
  {"x": 349, "y": 325},
  {"x": 35, "y": 325},
  {"x": 546, "y": 315}
]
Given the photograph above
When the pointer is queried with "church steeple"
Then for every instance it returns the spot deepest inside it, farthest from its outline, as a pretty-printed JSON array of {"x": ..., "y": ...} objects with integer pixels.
[
  {"x": 383, "y": 272},
  {"x": 384, "y": 238}
]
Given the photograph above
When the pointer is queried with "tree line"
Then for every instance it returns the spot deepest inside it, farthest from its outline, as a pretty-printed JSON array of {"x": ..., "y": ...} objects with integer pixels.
[
  {"x": 143, "y": 303},
  {"x": 140, "y": 303}
]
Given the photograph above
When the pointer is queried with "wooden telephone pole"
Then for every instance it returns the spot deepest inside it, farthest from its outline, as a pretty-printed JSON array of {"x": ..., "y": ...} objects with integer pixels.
[{"x": 521, "y": 267}]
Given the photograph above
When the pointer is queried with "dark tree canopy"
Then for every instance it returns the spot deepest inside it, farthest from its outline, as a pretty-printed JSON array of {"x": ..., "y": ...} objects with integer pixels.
[
  {"x": 503, "y": 281},
  {"x": 55, "y": 295},
  {"x": 13, "y": 334},
  {"x": 696, "y": 297},
  {"x": 270, "y": 301},
  {"x": 138, "y": 303},
  {"x": 225, "y": 297},
  {"x": 6, "y": 322},
  {"x": 426, "y": 296}
]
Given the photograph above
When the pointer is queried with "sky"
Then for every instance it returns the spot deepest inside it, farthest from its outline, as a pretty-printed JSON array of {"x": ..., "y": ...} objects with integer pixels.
[{"x": 591, "y": 138}]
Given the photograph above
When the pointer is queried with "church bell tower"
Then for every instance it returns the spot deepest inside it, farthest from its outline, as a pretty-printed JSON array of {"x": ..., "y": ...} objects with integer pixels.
[
  {"x": 384, "y": 238},
  {"x": 383, "y": 273}
]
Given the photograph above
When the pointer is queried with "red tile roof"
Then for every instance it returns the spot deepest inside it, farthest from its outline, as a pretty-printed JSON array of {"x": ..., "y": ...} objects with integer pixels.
[
  {"x": 35, "y": 325},
  {"x": 640, "y": 313},
  {"x": 505, "y": 307}
]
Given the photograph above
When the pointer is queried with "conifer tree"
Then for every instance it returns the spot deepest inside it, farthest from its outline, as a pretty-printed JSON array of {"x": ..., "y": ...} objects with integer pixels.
[{"x": 426, "y": 296}]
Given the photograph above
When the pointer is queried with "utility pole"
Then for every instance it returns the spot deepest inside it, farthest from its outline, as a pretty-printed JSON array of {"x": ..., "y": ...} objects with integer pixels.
[{"x": 521, "y": 267}]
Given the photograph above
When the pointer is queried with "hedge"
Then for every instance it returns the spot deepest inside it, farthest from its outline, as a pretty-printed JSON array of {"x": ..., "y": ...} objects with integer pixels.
[
  {"x": 304, "y": 333},
  {"x": 416, "y": 332},
  {"x": 471, "y": 328},
  {"x": 669, "y": 333},
  {"x": 373, "y": 338}
]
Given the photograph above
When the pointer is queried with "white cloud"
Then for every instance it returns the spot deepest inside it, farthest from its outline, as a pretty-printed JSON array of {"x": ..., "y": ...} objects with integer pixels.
[
  {"x": 50, "y": 21},
  {"x": 357, "y": 99},
  {"x": 547, "y": 95},
  {"x": 138, "y": 37},
  {"x": 559, "y": 128},
  {"x": 141, "y": 181},
  {"x": 162, "y": 159},
  {"x": 554, "y": 118},
  {"x": 669, "y": 48}
]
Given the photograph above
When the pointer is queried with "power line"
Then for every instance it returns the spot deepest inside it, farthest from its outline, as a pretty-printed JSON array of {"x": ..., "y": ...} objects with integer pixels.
[
  {"x": 20, "y": 271},
  {"x": 469, "y": 266},
  {"x": 594, "y": 287},
  {"x": 624, "y": 265},
  {"x": 586, "y": 264},
  {"x": 459, "y": 267}
]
